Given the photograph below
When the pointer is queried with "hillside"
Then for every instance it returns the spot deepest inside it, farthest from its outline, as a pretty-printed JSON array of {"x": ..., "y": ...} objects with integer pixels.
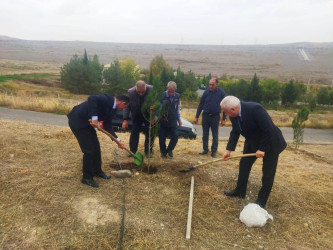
[{"x": 279, "y": 61}]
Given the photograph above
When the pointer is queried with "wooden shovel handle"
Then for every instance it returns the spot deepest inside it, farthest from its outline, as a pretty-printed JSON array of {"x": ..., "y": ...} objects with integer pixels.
[
  {"x": 113, "y": 138},
  {"x": 231, "y": 157}
]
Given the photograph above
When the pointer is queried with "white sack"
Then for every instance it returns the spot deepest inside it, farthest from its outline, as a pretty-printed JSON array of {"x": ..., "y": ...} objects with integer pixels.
[{"x": 253, "y": 215}]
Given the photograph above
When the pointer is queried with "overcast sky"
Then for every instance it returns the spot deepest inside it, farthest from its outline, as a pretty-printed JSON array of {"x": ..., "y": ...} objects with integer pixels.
[{"x": 170, "y": 21}]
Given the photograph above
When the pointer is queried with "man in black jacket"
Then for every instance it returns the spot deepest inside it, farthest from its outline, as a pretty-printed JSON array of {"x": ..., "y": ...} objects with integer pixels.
[
  {"x": 210, "y": 105},
  {"x": 137, "y": 96},
  {"x": 83, "y": 119},
  {"x": 262, "y": 137},
  {"x": 168, "y": 124}
]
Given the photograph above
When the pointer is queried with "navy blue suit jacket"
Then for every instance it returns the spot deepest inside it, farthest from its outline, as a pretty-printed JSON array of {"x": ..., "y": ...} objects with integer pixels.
[
  {"x": 258, "y": 129},
  {"x": 96, "y": 105}
]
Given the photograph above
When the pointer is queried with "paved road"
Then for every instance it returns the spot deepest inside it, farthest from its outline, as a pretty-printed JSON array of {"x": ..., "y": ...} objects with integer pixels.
[{"x": 310, "y": 135}]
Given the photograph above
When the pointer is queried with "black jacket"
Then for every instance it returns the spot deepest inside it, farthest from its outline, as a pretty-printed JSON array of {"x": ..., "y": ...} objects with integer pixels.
[
  {"x": 96, "y": 105},
  {"x": 258, "y": 129}
]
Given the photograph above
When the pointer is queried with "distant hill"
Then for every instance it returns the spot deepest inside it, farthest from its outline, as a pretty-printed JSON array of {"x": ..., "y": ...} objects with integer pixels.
[
  {"x": 7, "y": 38},
  {"x": 279, "y": 61}
]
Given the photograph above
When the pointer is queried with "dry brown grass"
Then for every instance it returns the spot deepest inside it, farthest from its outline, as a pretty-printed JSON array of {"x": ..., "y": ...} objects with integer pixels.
[
  {"x": 43, "y": 205},
  {"x": 280, "y": 119},
  {"x": 29, "y": 96}
]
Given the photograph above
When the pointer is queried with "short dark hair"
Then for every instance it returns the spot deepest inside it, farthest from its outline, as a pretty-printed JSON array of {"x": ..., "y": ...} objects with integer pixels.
[{"x": 123, "y": 98}]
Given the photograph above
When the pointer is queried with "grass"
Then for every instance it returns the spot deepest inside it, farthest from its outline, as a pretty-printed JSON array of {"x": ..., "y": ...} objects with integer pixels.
[
  {"x": 44, "y": 205},
  {"x": 4, "y": 78}
]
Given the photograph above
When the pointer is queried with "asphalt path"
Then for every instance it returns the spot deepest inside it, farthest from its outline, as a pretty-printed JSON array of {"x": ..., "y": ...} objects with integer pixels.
[{"x": 310, "y": 135}]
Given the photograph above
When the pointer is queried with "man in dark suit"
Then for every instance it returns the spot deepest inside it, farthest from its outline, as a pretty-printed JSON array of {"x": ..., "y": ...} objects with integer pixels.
[
  {"x": 137, "y": 96},
  {"x": 168, "y": 124},
  {"x": 83, "y": 119},
  {"x": 210, "y": 105},
  {"x": 262, "y": 137}
]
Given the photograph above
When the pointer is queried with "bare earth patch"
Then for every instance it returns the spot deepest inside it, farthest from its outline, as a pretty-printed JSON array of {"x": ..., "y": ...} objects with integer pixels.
[
  {"x": 91, "y": 211},
  {"x": 43, "y": 204}
]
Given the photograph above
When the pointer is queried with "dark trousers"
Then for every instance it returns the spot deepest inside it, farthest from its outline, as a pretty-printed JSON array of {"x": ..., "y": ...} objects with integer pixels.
[
  {"x": 135, "y": 136},
  {"x": 163, "y": 133},
  {"x": 268, "y": 174},
  {"x": 89, "y": 144},
  {"x": 210, "y": 122}
]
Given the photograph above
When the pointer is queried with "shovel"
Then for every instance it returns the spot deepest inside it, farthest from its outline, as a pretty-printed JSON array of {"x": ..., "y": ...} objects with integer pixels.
[
  {"x": 190, "y": 168},
  {"x": 138, "y": 157}
]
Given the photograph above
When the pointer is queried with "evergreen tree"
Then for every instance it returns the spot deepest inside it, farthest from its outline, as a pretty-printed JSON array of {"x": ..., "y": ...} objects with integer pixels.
[
  {"x": 254, "y": 93},
  {"x": 114, "y": 79},
  {"x": 151, "y": 77},
  {"x": 270, "y": 91},
  {"x": 82, "y": 76},
  {"x": 298, "y": 125},
  {"x": 85, "y": 58},
  {"x": 289, "y": 93},
  {"x": 323, "y": 96},
  {"x": 242, "y": 89}
]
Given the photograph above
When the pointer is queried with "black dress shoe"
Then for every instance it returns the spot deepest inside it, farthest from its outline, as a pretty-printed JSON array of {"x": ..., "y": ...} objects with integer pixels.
[
  {"x": 89, "y": 182},
  {"x": 213, "y": 155},
  {"x": 203, "y": 152},
  {"x": 170, "y": 154},
  {"x": 234, "y": 193},
  {"x": 103, "y": 175},
  {"x": 164, "y": 155}
]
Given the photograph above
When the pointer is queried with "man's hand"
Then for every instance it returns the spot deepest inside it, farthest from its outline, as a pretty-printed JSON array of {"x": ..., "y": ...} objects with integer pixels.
[
  {"x": 93, "y": 123},
  {"x": 260, "y": 154},
  {"x": 226, "y": 155},
  {"x": 196, "y": 120},
  {"x": 180, "y": 123},
  {"x": 121, "y": 145},
  {"x": 223, "y": 122},
  {"x": 124, "y": 126},
  {"x": 154, "y": 121}
]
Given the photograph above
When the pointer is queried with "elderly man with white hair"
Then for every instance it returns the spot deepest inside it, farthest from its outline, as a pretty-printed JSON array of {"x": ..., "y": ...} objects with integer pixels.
[
  {"x": 170, "y": 120},
  {"x": 262, "y": 137}
]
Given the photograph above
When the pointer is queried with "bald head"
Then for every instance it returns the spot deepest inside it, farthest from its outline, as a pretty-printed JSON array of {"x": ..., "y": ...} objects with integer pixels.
[{"x": 140, "y": 87}]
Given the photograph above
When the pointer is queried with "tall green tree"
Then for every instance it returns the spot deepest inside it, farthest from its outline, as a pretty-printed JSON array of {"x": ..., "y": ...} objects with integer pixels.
[
  {"x": 323, "y": 96},
  {"x": 81, "y": 75},
  {"x": 85, "y": 57},
  {"x": 271, "y": 90},
  {"x": 254, "y": 93},
  {"x": 242, "y": 89},
  {"x": 131, "y": 72},
  {"x": 158, "y": 64},
  {"x": 289, "y": 93},
  {"x": 114, "y": 77}
]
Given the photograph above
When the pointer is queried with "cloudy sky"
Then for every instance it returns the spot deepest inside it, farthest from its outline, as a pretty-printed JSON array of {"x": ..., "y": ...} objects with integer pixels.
[{"x": 169, "y": 21}]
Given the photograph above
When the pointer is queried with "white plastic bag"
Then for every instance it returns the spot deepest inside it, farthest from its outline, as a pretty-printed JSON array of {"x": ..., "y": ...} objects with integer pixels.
[{"x": 253, "y": 215}]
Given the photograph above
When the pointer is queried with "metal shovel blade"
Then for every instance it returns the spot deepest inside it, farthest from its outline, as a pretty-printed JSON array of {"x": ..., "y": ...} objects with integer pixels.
[
  {"x": 190, "y": 168},
  {"x": 138, "y": 158}
]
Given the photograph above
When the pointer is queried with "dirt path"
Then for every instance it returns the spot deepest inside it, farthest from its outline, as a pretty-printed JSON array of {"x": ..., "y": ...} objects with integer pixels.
[{"x": 310, "y": 135}]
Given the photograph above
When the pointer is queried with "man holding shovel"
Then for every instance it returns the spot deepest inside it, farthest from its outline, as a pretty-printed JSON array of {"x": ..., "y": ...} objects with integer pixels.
[
  {"x": 262, "y": 137},
  {"x": 83, "y": 119}
]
